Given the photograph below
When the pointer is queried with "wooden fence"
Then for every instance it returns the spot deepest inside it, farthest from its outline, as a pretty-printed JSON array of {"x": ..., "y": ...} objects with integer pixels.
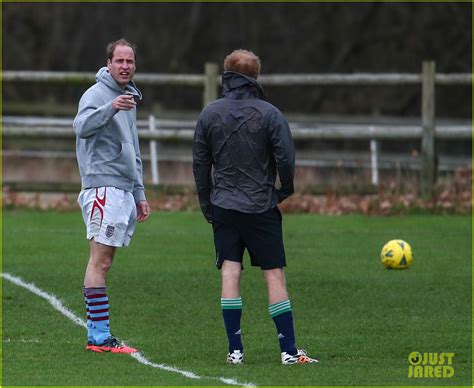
[
  {"x": 159, "y": 131},
  {"x": 210, "y": 81}
]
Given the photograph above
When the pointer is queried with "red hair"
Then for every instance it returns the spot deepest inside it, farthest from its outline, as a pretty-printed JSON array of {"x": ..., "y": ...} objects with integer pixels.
[{"x": 243, "y": 62}]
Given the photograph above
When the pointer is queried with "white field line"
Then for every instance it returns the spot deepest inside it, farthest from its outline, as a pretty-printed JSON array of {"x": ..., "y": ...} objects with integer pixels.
[
  {"x": 22, "y": 340},
  {"x": 58, "y": 305}
]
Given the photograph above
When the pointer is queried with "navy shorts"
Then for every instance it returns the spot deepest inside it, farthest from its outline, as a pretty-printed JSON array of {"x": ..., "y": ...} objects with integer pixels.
[{"x": 260, "y": 233}]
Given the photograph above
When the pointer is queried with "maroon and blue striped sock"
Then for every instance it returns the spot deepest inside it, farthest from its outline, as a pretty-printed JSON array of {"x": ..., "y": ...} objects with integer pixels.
[{"x": 97, "y": 308}]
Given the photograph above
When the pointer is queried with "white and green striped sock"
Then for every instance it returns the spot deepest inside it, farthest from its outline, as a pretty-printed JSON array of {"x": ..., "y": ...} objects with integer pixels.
[
  {"x": 231, "y": 303},
  {"x": 279, "y": 308}
]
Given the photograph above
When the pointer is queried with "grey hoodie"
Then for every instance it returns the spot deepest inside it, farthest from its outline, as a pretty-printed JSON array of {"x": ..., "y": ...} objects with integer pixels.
[{"x": 107, "y": 146}]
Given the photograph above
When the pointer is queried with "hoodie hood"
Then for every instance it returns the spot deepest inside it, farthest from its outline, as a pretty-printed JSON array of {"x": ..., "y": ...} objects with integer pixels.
[
  {"x": 237, "y": 85},
  {"x": 103, "y": 76}
]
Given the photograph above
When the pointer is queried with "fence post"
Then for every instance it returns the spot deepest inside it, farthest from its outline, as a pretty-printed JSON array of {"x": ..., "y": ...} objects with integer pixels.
[
  {"x": 210, "y": 83},
  {"x": 374, "y": 151},
  {"x": 155, "y": 172},
  {"x": 428, "y": 129}
]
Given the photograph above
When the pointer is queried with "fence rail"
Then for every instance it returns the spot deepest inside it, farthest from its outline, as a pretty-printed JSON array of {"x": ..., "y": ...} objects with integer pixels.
[
  {"x": 71, "y": 77},
  {"x": 165, "y": 130}
]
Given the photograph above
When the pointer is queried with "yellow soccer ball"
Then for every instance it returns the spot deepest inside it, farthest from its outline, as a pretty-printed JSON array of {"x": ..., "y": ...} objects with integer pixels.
[{"x": 396, "y": 254}]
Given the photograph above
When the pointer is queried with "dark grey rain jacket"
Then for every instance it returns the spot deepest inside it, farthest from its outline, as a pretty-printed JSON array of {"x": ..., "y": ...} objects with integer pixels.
[{"x": 240, "y": 143}]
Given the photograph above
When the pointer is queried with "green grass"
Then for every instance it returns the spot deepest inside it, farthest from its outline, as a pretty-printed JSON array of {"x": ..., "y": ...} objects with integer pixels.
[{"x": 360, "y": 319}]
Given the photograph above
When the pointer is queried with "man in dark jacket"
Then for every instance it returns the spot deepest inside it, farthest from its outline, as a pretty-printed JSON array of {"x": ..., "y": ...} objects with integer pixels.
[{"x": 247, "y": 141}]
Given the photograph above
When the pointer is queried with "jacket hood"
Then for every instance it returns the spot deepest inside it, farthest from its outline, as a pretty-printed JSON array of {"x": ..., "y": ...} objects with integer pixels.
[
  {"x": 103, "y": 76},
  {"x": 236, "y": 83}
]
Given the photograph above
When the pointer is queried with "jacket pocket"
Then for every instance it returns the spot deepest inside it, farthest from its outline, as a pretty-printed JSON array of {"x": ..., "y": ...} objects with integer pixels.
[{"x": 125, "y": 163}]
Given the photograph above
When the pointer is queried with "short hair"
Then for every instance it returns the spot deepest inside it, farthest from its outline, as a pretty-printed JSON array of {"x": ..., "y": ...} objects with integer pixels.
[
  {"x": 109, "y": 51},
  {"x": 244, "y": 62}
]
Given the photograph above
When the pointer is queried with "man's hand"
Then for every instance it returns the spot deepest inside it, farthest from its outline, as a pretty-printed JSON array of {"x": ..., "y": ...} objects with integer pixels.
[
  {"x": 124, "y": 102},
  {"x": 143, "y": 211}
]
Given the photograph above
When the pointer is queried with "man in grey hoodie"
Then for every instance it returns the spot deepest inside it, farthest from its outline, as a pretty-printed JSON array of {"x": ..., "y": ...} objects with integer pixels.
[{"x": 113, "y": 196}]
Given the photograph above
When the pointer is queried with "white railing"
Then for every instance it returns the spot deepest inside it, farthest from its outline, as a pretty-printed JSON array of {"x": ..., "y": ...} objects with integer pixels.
[{"x": 156, "y": 130}]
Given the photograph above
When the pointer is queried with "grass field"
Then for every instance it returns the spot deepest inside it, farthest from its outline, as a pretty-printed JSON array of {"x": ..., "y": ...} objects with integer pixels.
[{"x": 361, "y": 320}]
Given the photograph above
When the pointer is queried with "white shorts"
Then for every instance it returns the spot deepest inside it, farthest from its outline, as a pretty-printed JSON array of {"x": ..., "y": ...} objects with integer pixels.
[{"x": 109, "y": 214}]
